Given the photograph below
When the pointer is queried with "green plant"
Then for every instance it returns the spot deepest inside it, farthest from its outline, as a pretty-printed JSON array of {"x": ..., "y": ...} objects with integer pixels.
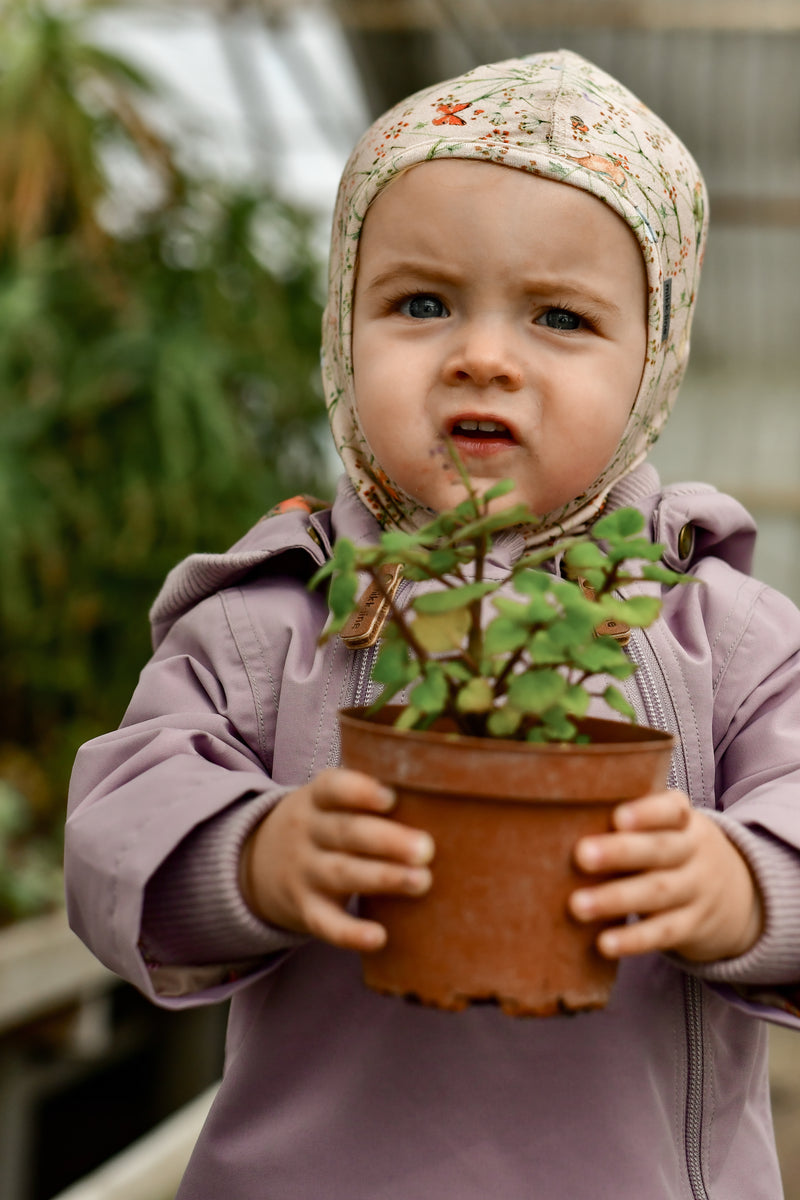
[
  {"x": 525, "y": 672},
  {"x": 159, "y": 351}
]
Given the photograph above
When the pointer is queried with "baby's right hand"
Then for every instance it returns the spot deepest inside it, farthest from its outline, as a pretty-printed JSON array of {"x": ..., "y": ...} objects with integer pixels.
[{"x": 324, "y": 842}]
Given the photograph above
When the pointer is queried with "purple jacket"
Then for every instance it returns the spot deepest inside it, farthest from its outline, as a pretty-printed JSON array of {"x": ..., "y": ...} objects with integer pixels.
[{"x": 334, "y": 1092}]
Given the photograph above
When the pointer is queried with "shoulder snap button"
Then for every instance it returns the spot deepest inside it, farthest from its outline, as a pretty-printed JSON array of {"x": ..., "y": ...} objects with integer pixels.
[{"x": 686, "y": 541}]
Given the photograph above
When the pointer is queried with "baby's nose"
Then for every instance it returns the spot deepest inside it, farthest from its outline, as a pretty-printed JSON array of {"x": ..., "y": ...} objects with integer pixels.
[{"x": 485, "y": 358}]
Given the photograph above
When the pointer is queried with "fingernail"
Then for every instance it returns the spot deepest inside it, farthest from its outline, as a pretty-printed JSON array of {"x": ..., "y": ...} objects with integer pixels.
[
  {"x": 387, "y": 798},
  {"x": 419, "y": 881},
  {"x": 608, "y": 943},
  {"x": 624, "y": 817},
  {"x": 588, "y": 854},
  {"x": 374, "y": 938},
  {"x": 582, "y": 904},
  {"x": 424, "y": 849}
]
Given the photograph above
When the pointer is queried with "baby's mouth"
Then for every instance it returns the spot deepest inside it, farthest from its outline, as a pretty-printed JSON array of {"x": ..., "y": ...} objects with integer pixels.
[{"x": 470, "y": 429}]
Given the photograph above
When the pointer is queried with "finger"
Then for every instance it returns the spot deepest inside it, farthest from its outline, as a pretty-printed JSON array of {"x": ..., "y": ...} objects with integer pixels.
[
  {"x": 663, "y": 931},
  {"x": 650, "y": 892},
  {"x": 372, "y": 837},
  {"x": 329, "y": 921},
  {"x": 617, "y": 853},
  {"x": 337, "y": 874},
  {"x": 661, "y": 810},
  {"x": 339, "y": 788}
]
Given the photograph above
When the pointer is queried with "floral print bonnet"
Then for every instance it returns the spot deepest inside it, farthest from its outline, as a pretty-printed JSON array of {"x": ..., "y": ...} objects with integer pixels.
[{"x": 560, "y": 117}]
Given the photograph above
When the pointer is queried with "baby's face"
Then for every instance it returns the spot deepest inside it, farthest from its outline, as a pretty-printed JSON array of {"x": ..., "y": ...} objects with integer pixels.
[{"x": 506, "y": 311}]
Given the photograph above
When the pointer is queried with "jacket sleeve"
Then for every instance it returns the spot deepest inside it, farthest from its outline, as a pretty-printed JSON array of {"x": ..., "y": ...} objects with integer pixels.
[
  {"x": 756, "y": 707},
  {"x": 161, "y": 807}
]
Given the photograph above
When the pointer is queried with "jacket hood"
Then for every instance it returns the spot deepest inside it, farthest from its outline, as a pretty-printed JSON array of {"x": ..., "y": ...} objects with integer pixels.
[{"x": 558, "y": 116}]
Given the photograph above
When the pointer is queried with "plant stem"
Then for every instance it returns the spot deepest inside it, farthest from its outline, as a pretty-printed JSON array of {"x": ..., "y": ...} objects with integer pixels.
[{"x": 500, "y": 685}]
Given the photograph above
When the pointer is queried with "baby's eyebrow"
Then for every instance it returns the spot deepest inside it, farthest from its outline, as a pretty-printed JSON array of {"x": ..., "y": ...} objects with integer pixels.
[{"x": 412, "y": 270}]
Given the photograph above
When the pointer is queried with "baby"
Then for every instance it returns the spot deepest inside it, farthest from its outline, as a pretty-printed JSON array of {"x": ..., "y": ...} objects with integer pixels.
[{"x": 514, "y": 265}]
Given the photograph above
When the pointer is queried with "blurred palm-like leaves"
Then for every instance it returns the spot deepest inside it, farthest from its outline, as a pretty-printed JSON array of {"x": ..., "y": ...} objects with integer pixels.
[{"x": 157, "y": 393}]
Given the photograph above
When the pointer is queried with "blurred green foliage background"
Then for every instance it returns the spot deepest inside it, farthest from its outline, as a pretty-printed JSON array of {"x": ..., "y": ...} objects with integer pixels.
[{"x": 158, "y": 393}]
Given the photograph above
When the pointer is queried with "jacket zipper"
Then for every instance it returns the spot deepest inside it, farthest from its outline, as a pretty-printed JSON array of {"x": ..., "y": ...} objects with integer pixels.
[
  {"x": 646, "y": 700},
  {"x": 360, "y": 690},
  {"x": 362, "y": 667},
  {"x": 357, "y": 694},
  {"x": 654, "y": 709},
  {"x": 359, "y": 683},
  {"x": 693, "y": 1125}
]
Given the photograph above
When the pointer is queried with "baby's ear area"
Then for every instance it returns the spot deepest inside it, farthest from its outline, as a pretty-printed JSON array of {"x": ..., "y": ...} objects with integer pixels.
[{"x": 694, "y": 521}]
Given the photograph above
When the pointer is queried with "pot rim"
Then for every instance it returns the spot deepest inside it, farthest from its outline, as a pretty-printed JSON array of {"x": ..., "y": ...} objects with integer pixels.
[{"x": 625, "y": 737}]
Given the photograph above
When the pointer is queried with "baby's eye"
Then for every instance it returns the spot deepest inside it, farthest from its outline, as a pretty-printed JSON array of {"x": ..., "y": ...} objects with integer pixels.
[
  {"x": 561, "y": 319},
  {"x": 423, "y": 306}
]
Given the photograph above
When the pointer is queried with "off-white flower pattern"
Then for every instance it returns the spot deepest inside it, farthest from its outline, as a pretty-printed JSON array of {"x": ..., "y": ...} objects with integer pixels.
[{"x": 560, "y": 117}]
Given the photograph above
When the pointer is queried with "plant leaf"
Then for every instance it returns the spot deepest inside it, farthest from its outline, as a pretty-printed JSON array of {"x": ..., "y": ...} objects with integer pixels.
[
  {"x": 504, "y": 722},
  {"x": 504, "y": 635},
  {"x": 601, "y": 654},
  {"x": 615, "y": 699},
  {"x": 430, "y": 695},
  {"x": 501, "y": 488},
  {"x": 515, "y": 610},
  {"x": 467, "y": 510},
  {"x": 492, "y": 523},
  {"x": 397, "y": 542},
  {"x": 408, "y": 718},
  {"x": 453, "y": 598},
  {"x": 393, "y": 664},
  {"x": 557, "y": 726},
  {"x": 455, "y": 670},
  {"x": 532, "y": 583},
  {"x": 344, "y": 555},
  {"x": 442, "y": 562},
  {"x": 661, "y": 574},
  {"x": 322, "y": 574},
  {"x": 585, "y": 557},
  {"x": 475, "y": 696},
  {"x": 574, "y": 626},
  {"x": 640, "y": 611},
  {"x": 544, "y": 650},
  {"x": 540, "y": 611},
  {"x": 342, "y": 595},
  {"x": 537, "y": 735},
  {"x": 636, "y": 548},
  {"x": 536, "y": 559},
  {"x": 576, "y": 701},
  {"x": 536, "y": 691},
  {"x": 622, "y": 523},
  {"x": 439, "y": 632}
]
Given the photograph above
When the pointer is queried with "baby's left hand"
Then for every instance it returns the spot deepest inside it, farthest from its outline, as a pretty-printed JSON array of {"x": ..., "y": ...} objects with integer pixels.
[{"x": 683, "y": 877}]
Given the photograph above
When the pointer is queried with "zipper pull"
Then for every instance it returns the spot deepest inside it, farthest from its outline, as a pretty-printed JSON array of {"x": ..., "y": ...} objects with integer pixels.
[
  {"x": 366, "y": 624},
  {"x": 617, "y": 630}
]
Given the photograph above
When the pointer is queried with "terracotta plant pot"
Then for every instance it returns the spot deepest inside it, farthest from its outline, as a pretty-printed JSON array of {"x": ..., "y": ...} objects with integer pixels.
[{"x": 505, "y": 817}]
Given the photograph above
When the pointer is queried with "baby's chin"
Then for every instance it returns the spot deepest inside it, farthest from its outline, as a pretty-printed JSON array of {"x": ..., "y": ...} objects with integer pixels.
[{"x": 454, "y": 493}]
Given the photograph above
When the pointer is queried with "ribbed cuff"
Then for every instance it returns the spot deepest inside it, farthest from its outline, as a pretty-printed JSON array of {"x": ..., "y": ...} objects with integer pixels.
[
  {"x": 775, "y": 958},
  {"x": 194, "y": 912}
]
